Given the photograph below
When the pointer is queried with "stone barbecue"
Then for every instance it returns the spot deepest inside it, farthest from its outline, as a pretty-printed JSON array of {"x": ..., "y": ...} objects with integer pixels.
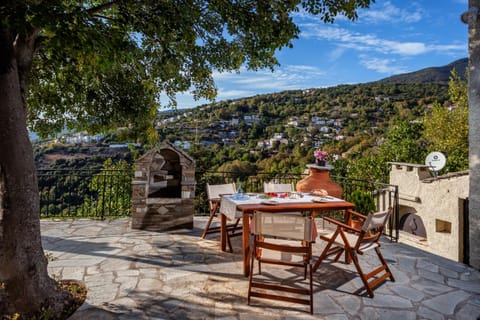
[{"x": 163, "y": 189}]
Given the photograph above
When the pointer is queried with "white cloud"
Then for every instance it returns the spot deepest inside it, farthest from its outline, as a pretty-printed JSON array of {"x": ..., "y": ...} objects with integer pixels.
[
  {"x": 283, "y": 78},
  {"x": 335, "y": 54},
  {"x": 405, "y": 48},
  {"x": 379, "y": 65},
  {"x": 226, "y": 75},
  {"x": 379, "y": 12},
  {"x": 369, "y": 42},
  {"x": 304, "y": 71},
  {"x": 387, "y": 12},
  {"x": 227, "y": 94}
]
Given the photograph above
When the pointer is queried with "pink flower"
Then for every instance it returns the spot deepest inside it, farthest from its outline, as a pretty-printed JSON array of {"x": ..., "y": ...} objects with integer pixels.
[{"x": 321, "y": 155}]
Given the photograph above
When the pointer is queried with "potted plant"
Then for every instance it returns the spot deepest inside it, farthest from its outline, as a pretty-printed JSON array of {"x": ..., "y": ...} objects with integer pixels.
[{"x": 321, "y": 157}]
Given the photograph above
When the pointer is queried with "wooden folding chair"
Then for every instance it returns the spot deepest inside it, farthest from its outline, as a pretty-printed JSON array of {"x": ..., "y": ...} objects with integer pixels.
[
  {"x": 277, "y": 187},
  {"x": 280, "y": 188},
  {"x": 292, "y": 237},
  {"x": 354, "y": 242},
  {"x": 215, "y": 193}
]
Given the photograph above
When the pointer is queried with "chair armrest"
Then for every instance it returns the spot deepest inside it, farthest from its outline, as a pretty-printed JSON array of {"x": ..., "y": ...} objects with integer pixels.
[
  {"x": 341, "y": 224},
  {"x": 349, "y": 218},
  {"x": 357, "y": 214}
]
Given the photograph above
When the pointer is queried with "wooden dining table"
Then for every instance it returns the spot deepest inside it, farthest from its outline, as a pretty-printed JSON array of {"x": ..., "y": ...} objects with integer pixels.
[{"x": 245, "y": 209}]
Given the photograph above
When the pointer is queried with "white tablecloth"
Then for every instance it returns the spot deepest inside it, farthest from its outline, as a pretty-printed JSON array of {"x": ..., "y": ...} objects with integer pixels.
[{"x": 228, "y": 204}]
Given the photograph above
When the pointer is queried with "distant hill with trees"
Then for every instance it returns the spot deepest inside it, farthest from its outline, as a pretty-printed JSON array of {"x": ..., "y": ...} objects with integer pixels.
[
  {"x": 371, "y": 123},
  {"x": 278, "y": 132},
  {"x": 431, "y": 74}
]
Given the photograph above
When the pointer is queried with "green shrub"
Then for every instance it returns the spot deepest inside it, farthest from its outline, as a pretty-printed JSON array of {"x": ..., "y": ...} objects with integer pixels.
[{"x": 364, "y": 202}]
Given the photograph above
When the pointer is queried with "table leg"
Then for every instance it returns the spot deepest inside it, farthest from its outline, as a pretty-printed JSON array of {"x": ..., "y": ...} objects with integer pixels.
[
  {"x": 246, "y": 244},
  {"x": 223, "y": 232},
  {"x": 348, "y": 220}
]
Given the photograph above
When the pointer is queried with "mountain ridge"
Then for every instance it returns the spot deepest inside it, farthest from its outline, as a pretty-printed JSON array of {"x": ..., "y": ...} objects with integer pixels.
[{"x": 431, "y": 74}]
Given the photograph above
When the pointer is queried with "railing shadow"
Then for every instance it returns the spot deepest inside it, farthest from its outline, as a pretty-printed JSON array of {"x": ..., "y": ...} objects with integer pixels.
[{"x": 184, "y": 254}]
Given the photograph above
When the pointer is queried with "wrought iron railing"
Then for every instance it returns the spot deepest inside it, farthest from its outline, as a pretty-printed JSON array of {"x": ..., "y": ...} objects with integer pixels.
[
  {"x": 97, "y": 194},
  {"x": 101, "y": 194}
]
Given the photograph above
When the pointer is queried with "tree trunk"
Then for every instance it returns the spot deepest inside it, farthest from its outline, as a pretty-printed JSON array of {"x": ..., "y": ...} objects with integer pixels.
[
  {"x": 473, "y": 20},
  {"x": 23, "y": 267}
]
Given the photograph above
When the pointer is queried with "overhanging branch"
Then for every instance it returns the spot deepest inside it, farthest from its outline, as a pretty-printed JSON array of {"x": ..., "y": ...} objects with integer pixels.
[{"x": 102, "y": 7}]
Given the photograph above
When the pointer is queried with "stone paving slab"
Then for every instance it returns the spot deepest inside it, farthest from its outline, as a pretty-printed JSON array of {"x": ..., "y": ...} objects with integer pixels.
[{"x": 133, "y": 274}]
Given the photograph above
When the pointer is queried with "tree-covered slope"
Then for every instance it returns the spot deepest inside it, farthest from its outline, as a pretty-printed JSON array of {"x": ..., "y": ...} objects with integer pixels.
[
  {"x": 280, "y": 131},
  {"x": 432, "y": 74}
]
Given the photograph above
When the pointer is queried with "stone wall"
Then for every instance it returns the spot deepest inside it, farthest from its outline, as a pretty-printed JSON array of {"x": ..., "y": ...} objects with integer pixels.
[
  {"x": 439, "y": 203},
  {"x": 161, "y": 214}
]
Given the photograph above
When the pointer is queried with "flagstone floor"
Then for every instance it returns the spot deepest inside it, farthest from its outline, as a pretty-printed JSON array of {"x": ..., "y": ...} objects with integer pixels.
[{"x": 133, "y": 274}]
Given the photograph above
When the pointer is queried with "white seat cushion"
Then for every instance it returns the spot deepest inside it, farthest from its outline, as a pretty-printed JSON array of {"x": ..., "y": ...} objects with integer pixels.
[{"x": 352, "y": 240}]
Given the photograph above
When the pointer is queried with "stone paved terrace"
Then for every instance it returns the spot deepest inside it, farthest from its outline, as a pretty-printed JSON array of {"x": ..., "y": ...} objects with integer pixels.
[{"x": 134, "y": 274}]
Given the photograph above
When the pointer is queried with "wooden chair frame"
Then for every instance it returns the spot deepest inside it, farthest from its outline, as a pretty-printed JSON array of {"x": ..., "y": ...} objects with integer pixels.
[
  {"x": 277, "y": 187},
  {"x": 214, "y": 198},
  {"x": 354, "y": 242},
  {"x": 303, "y": 248},
  {"x": 280, "y": 188}
]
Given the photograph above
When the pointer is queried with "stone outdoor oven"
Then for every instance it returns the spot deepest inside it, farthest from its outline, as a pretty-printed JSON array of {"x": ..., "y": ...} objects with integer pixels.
[{"x": 163, "y": 189}]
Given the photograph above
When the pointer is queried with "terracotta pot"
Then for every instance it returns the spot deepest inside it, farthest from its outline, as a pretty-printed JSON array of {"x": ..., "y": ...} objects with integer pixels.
[{"x": 319, "y": 178}]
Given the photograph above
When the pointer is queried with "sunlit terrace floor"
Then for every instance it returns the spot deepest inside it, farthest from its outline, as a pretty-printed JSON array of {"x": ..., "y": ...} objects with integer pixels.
[{"x": 134, "y": 274}]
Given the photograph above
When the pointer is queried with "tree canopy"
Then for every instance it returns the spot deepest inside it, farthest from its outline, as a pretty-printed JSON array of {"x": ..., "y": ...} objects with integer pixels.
[
  {"x": 101, "y": 64},
  {"x": 447, "y": 128}
]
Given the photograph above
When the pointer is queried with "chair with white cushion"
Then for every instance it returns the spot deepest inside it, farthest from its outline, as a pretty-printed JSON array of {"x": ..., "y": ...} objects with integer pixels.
[
  {"x": 355, "y": 242},
  {"x": 215, "y": 192},
  {"x": 277, "y": 187},
  {"x": 282, "y": 240},
  {"x": 269, "y": 187}
]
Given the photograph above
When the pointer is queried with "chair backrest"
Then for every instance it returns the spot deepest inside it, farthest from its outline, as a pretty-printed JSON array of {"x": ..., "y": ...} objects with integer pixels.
[
  {"x": 277, "y": 187},
  {"x": 376, "y": 220},
  {"x": 214, "y": 191},
  {"x": 292, "y": 227}
]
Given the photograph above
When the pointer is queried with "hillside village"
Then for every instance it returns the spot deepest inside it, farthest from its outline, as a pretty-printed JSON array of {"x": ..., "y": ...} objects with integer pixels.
[
  {"x": 343, "y": 119},
  {"x": 204, "y": 128},
  {"x": 315, "y": 116},
  {"x": 339, "y": 121},
  {"x": 320, "y": 130}
]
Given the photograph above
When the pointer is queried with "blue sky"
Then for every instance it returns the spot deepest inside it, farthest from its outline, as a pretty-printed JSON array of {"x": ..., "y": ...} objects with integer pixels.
[{"x": 391, "y": 37}]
